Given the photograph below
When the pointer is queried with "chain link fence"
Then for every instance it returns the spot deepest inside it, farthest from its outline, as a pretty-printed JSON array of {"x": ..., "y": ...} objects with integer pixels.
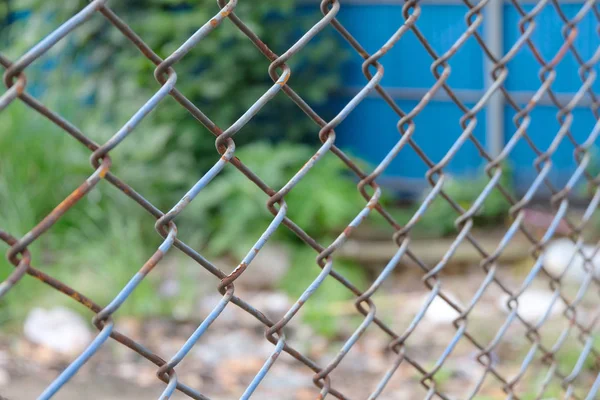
[{"x": 581, "y": 325}]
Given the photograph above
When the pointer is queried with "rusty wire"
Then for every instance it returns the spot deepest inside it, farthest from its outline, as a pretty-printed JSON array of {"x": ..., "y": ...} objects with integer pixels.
[{"x": 166, "y": 76}]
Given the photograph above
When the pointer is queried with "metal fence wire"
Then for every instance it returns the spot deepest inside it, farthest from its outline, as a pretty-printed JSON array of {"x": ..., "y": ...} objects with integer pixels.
[{"x": 580, "y": 327}]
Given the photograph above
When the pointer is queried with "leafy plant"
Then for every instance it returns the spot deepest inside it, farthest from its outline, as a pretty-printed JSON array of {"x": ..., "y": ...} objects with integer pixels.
[
  {"x": 234, "y": 208},
  {"x": 593, "y": 168},
  {"x": 223, "y": 75},
  {"x": 322, "y": 203},
  {"x": 568, "y": 356},
  {"x": 440, "y": 217},
  {"x": 318, "y": 311},
  {"x": 40, "y": 165},
  {"x": 97, "y": 79}
]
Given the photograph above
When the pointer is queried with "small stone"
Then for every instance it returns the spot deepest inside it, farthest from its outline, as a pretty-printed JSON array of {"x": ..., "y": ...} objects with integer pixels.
[
  {"x": 127, "y": 371},
  {"x": 357, "y": 361},
  {"x": 129, "y": 326},
  {"x": 236, "y": 372},
  {"x": 215, "y": 347},
  {"x": 306, "y": 394},
  {"x": 169, "y": 288},
  {"x": 440, "y": 312},
  {"x": 47, "y": 356},
  {"x": 241, "y": 366},
  {"x": 146, "y": 375},
  {"x": 533, "y": 304},
  {"x": 40, "y": 355},
  {"x": 283, "y": 379},
  {"x": 4, "y": 358},
  {"x": 4, "y": 378},
  {"x": 273, "y": 305},
  {"x": 58, "y": 329},
  {"x": 562, "y": 254},
  {"x": 193, "y": 380}
]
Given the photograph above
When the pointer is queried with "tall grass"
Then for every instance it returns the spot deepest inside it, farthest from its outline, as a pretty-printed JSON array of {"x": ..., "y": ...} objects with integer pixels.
[{"x": 105, "y": 237}]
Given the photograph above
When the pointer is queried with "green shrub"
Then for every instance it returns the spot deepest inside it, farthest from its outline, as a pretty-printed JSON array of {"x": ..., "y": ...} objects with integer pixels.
[
  {"x": 322, "y": 203},
  {"x": 318, "y": 310},
  {"x": 40, "y": 165},
  {"x": 97, "y": 80},
  {"x": 224, "y": 74},
  {"x": 439, "y": 218}
]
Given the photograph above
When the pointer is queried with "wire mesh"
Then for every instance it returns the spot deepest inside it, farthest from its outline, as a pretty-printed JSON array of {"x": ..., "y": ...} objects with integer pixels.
[{"x": 581, "y": 325}]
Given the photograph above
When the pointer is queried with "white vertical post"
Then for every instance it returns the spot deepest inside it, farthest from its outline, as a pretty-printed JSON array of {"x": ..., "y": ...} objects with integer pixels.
[{"x": 493, "y": 36}]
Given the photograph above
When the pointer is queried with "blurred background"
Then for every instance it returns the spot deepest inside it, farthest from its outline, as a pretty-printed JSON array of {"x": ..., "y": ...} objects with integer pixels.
[{"x": 97, "y": 79}]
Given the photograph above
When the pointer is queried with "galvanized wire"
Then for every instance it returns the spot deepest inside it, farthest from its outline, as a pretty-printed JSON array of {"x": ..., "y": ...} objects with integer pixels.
[{"x": 279, "y": 71}]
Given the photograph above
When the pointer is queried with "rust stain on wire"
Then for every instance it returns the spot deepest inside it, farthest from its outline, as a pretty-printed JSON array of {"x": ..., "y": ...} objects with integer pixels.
[{"x": 557, "y": 223}]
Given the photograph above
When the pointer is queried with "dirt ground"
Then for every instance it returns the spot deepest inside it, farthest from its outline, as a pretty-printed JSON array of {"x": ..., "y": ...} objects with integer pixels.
[
  {"x": 100, "y": 389},
  {"x": 232, "y": 351}
]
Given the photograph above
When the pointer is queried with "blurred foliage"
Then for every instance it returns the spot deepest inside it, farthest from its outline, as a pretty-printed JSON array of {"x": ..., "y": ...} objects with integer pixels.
[
  {"x": 223, "y": 75},
  {"x": 40, "y": 165},
  {"x": 587, "y": 189},
  {"x": 97, "y": 79},
  {"x": 569, "y": 353},
  {"x": 318, "y": 310},
  {"x": 440, "y": 217},
  {"x": 323, "y": 201}
]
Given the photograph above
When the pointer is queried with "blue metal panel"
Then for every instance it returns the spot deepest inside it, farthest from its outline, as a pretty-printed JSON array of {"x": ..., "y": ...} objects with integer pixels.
[
  {"x": 548, "y": 39},
  {"x": 18, "y": 15},
  {"x": 408, "y": 64},
  {"x": 370, "y": 132},
  {"x": 542, "y": 130}
]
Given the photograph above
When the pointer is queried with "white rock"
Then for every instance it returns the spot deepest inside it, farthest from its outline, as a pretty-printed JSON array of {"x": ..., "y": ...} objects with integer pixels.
[
  {"x": 440, "y": 312},
  {"x": 4, "y": 378},
  {"x": 281, "y": 380},
  {"x": 215, "y": 347},
  {"x": 127, "y": 371},
  {"x": 58, "y": 329},
  {"x": 560, "y": 252},
  {"x": 169, "y": 288},
  {"x": 4, "y": 358},
  {"x": 533, "y": 304},
  {"x": 273, "y": 304}
]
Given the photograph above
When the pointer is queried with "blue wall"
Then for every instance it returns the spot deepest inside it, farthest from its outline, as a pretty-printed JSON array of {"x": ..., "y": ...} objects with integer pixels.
[{"x": 370, "y": 131}]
